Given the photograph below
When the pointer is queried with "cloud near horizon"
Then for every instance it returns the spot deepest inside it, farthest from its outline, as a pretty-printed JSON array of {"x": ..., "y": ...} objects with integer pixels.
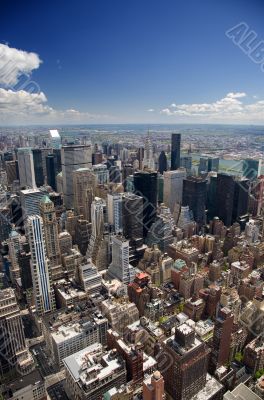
[
  {"x": 29, "y": 106},
  {"x": 230, "y": 108}
]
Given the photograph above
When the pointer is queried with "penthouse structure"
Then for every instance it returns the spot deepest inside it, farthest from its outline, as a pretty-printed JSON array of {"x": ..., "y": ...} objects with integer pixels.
[{"x": 91, "y": 372}]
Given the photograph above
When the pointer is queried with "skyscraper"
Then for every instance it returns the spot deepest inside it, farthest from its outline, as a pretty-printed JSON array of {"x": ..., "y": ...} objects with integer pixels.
[
  {"x": 145, "y": 183},
  {"x": 40, "y": 266},
  {"x": 173, "y": 187},
  {"x": 14, "y": 352},
  {"x": 51, "y": 171},
  {"x": 73, "y": 157},
  {"x": 26, "y": 168},
  {"x": 208, "y": 164},
  {"x": 162, "y": 162},
  {"x": 241, "y": 198},
  {"x": 186, "y": 162},
  {"x": 38, "y": 167},
  {"x": 148, "y": 160},
  {"x": 194, "y": 196},
  {"x": 225, "y": 190},
  {"x": 120, "y": 267},
  {"x": 222, "y": 337},
  {"x": 30, "y": 199},
  {"x": 98, "y": 244},
  {"x": 84, "y": 182},
  {"x": 14, "y": 244},
  {"x": 251, "y": 168},
  {"x": 102, "y": 174},
  {"x": 51, "y": 235},
  {"x": 175, "y": 151},
  {"x": 114, "y": 209},
  {"x": 187, "y": 361},
  {"x": 55, "y": 139},
  {"x": 132, "y": 210},
  {"x": 127, "y": 170},
  {"x": 11, "y": 171}
]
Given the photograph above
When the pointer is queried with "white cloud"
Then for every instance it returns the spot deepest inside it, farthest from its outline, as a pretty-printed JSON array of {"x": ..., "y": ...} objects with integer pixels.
[
  {"x": 230, "y": 108},
  {"x": 30, "y": 106},
  {"x": 14, "y": 63},
  {"x": 24, "y": 107},
  {"x": 151, "y": 110},
  {"x": 237, "y": 95}
]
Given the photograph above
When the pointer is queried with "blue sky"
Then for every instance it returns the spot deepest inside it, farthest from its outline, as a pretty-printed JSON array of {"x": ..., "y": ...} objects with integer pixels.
[{"x": 130, "y": 61}]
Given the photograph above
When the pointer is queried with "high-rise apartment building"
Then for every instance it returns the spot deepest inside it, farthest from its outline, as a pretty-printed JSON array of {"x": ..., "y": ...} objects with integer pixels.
[
  {"x": 40, "y": 266},
  {"x": 72, "y": 158},
  {"x": 26, "y": 168},
  {"x": 175, "y": 151}
]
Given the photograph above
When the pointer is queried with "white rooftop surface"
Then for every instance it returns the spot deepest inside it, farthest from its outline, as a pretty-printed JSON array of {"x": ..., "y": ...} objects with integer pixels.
[
  {"x": 66, "y": 332},
  {"x": 83, "y": 366},
  {"x": 182, "y": 317},
  {"x": 241, "y": 392},
  {"x": 75, "y": 361},
  {"x": 212, "y": 386},
  {"x": 185, "y": 329},
  {"x": 148, "y": 362},
  {"x": 54, "y": 134},
  {"x": 32, "y": 190},
  {"x": 71, "y": 293}
]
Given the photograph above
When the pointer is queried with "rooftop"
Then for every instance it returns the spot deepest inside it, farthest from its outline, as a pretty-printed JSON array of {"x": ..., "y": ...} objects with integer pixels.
[
  {"x": 91, "y": 364},
  {"x": 31, "y": 379},
  {"x": 212, "y": 387},
  {"x": 54, "y": 134},
  {"x": 241, "y": 392}
]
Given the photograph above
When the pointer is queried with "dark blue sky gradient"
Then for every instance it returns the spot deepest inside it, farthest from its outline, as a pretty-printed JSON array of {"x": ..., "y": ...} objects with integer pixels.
[{"x": 122, "y": 57}]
